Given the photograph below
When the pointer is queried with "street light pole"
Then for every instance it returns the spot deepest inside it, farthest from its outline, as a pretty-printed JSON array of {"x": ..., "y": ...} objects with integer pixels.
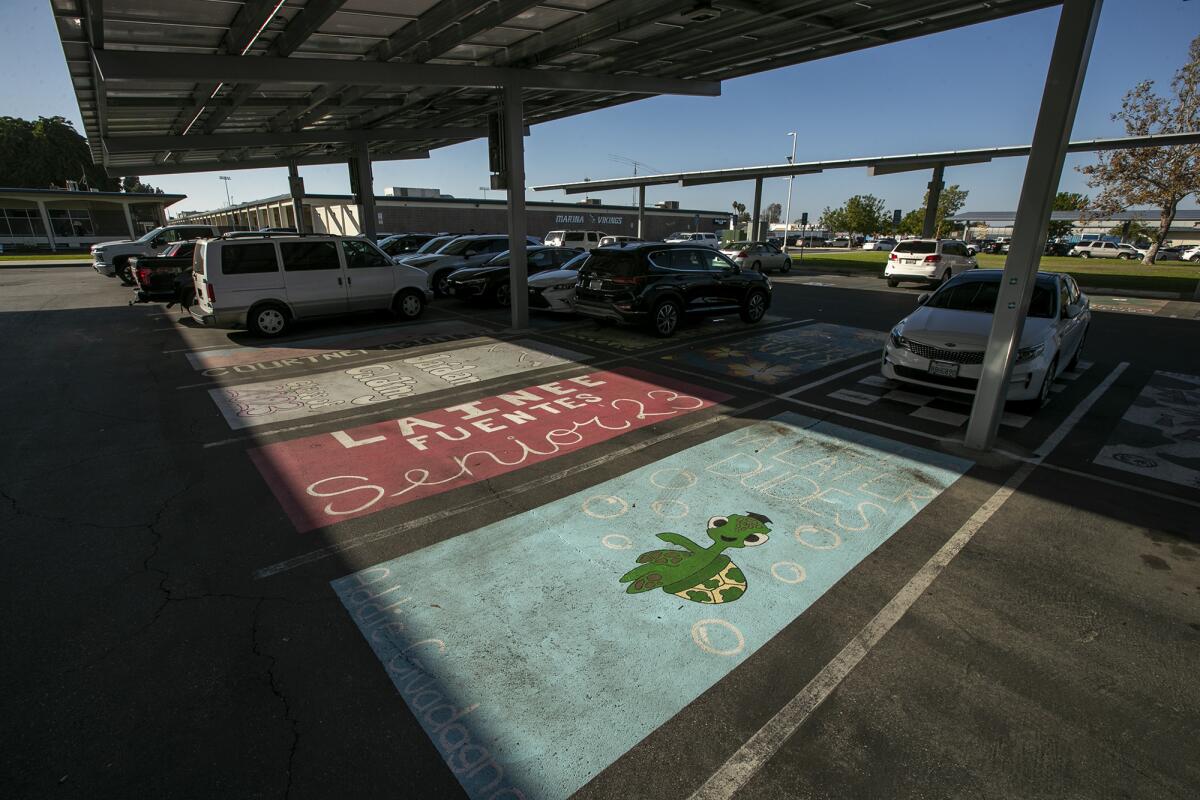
[
  {"x": 787, "y": 215},
  {"x": 228, "y": 200}
]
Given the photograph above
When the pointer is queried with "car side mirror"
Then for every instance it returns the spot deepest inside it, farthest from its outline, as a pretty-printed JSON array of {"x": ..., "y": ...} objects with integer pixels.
[{"x": 923, "y": 298}]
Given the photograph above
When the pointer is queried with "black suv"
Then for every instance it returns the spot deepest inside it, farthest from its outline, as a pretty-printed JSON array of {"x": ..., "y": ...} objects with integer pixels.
[{"x": 657, "y": 284}]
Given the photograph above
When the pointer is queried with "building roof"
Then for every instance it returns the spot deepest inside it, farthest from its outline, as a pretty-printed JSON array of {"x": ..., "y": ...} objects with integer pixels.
[
  {"x": 168, "y": 86},
  {"x": 165, "y": 199},
  {"x": 1139, "y": 215}
]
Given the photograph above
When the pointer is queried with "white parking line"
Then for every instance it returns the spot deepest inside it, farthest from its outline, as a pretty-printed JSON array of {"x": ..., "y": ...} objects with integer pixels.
[{"x": 762, "y": 746}]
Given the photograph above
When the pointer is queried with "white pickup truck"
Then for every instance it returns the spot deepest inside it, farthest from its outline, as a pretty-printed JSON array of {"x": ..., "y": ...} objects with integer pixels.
[{"x": 112, "y": 258}]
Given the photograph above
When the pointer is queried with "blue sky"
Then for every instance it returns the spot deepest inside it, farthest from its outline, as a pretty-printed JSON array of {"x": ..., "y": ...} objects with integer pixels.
[{"x": 974, "y": 87}]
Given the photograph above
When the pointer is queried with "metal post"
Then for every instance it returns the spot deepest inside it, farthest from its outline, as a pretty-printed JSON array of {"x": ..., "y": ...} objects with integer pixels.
[
  {"x": 787, "y": 215},
  {"x": 514, "y": 155},
  {"x": 296, "y": 188},
  {"x": 931, "y": 205},
  {"x": 46, "y": 222},
  {"x": 757, "y": 211},
  {"x": 642, "y": 212},
  {"x": 366, "y": 191},
  {"x": 1068, "y": 64},
  {"x": 129, "y": 221}
]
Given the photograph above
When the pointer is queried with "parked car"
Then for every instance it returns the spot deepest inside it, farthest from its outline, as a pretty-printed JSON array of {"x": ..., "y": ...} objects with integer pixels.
[
  {"x": 1056, "y": 247},
  {"x": 927, "y": 261},
  {"x": 490, "y": 281},
  {"x": 758, "y": 256},
  {"x": 404, "y": 244},
  {"x": 112, "y": 258},
  {"x": 464, "y": 251},
  {"x": 581, "y": 240},
  {"x": 659, "y": 284},
  {"x": 941, "y": 344},
  {"x": 886, "y": 243},
  {"x": 429, "y": 248},
  {"x": 704, "y": 239},
  {"x": 167, "y": 276},
  {"x": 839, "y": 241},
  {"x": 267, "y": 283},
  {"x": 554, "y": 290},
  {"x": 1190, "y": 254},
  {"x": 606, "y": 241},
  {"x": 1164, "y": 253},
  {"x": 1098, "y": 249}
]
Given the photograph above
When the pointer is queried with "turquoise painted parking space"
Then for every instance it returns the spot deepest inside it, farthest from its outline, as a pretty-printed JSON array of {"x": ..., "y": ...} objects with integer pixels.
[{"x": 537, "y": 650}]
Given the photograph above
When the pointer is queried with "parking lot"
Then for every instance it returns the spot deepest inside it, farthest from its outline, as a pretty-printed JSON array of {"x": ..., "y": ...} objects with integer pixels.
[{"x": 374, "y": 558}]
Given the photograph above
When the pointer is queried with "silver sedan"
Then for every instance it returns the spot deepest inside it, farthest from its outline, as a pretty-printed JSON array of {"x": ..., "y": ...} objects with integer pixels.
[{"x": 758, "y": 256}]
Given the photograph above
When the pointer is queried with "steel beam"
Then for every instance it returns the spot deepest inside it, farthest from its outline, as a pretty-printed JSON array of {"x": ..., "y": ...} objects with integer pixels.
[
  {"x": 641, "y": 212},
  {"x": 929, "y": 227},
  {"x": 176, "y": 168},
  {"x": 296, "y": 189},
  {"x": 365, "y": 192},
  {"x": 1060, "y": 98},
  {"x": 757, "y": 210},
  {"x": 226, "y": 141},
  {"x": 136, "y": 66},
  {"x": 513, "y": 121}
]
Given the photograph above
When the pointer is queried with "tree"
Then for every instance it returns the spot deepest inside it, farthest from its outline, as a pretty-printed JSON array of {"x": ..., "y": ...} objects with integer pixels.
[
  {"x": 1155, "y": 176},
  {"x": 862, "y": 213},
  {"x": 1066, "y": 201},
  {"x": 47, "y": 152},
  {"x": 1133, "y": 231},
  {"x": 832, "y": 220},
  {"x": 774, "y": 213},
  {"x": 950, "y": 203},
  {"x": 133, "y": 184}
]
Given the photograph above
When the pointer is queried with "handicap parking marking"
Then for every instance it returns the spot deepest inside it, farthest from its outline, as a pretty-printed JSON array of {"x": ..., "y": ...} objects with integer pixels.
[
  {"x": 632, "y": 339},
  {"x": 537, "y": 650},
  {"x": 332, "y": 477},
  {"x": 1158, "y": 437},
  {"x": 253, "y": 404},
  {"x": 1127, "y": 305},
  {"x": 778, "y": 356},
  {"x": 251, "y": 360}
]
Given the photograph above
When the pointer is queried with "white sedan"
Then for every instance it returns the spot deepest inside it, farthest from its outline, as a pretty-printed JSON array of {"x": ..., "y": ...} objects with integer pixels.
[
  {"x": 758, "y": 256},
  {"x": 554, "y": 290},
  {"x": 941, "y": 344}
]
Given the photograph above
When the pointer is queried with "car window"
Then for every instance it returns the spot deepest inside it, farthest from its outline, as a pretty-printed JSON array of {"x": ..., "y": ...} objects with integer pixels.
[
  {"x": 912, "y": 247},
  {"x": 1064, "y": 297},
  {"x": 574, "y": 237},
  {"x": 715, "y": 261},
  {"x": 245, "y": 259},
  {"x": 361, "y": 254},
  {"x": 574, "y": 262},
  {"x": 1074, "y": 287},
  {"x": 689, "y": 260},
  {"x": 306, "y": 256},
  {"x": 618, "y": 262}
]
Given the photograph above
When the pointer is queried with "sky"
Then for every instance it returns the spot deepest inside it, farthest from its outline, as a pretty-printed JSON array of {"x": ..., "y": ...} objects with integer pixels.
[{"x": 972, "y": 87}]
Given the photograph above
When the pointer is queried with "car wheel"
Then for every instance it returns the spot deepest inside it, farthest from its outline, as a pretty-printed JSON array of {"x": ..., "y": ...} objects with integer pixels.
[
  {"x": 441, "y": 283},
  {"x": 1125, "y": 257},
  {"x": 268, "y": 320},
  {"x": 893, "y": 283},
  {"x": 787, "y": 265},
  {"x": 409, "y": 304},
  {"x": 665, "y": 318},
  {"x": 755, "y": 306},
  {"x": 1085, "y": 254},
  {"x": 121, "y": 265},
  {"x": 502, "y": 294},
  {"x": 1044, "y": 392},
  {"x": 947, "y": 275}
]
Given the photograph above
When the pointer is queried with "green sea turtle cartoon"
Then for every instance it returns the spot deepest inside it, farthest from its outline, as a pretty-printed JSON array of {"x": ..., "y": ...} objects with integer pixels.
[{"x": 700, "y": 574}]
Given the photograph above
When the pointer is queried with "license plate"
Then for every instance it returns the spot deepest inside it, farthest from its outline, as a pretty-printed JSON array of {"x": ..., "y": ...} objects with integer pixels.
[
  {"x": 908, "y": 261},
  {"x": 944, "y": 369},
  {"x": 595, "y": 285}
]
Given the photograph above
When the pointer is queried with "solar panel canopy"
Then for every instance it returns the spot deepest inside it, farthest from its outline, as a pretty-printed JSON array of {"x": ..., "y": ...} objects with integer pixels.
[{"x": 169, "y": 86}]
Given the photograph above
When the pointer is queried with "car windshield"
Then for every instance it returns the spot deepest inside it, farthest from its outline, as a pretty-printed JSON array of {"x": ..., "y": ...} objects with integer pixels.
[
  {"x": 916, "y": 247},
  {"x": 435, "y": 245},
  {"x": 147, "y": 237},
  {"x": 683, "y": 235},
  {"x": 980, "y": 296},
  {"x": 576, "y": 262}
]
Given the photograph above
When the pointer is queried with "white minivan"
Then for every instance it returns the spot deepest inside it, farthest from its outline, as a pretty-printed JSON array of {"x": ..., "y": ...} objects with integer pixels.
[
  {"x": 264, "y": 283},
  {"x": 580, "y": 240}
]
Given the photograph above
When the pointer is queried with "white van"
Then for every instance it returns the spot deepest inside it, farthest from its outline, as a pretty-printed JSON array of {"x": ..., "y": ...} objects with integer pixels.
[
  {"x": 580, "y": 240},
  {"x": 266, "y": 282}
]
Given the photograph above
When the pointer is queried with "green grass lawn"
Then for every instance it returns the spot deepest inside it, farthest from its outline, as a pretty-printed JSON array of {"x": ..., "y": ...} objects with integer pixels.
[
  {"x": 1167, "y": 276},
  {"x": 44, "y": 256}
]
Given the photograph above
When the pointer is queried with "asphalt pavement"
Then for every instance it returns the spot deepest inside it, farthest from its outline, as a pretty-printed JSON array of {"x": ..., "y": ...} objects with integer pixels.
[{"x": 377, "y": 558}]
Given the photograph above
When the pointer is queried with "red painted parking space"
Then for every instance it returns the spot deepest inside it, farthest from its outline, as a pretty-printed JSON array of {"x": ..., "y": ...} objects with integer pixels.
[{"x": 340, "y": 475}]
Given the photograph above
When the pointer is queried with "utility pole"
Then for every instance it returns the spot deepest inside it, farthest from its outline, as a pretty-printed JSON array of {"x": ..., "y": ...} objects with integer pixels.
[
  {"x": 228, "y": 199},
  {"x": 787, "y": 216}
]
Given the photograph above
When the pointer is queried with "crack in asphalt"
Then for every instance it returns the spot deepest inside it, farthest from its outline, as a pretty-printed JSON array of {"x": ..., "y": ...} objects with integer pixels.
[{"x": 273, "y": 682}]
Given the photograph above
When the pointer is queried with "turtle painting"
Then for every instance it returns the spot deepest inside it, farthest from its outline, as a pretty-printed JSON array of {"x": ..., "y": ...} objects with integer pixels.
[{"x": 700, "y": 574}]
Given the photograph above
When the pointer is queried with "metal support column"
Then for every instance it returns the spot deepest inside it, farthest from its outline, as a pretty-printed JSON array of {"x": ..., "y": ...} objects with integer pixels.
[
  {"x": 46, "y": 222},
  {"x": 642, "y": 212},
  {"x": 365, "y": 191},
  {"x": 513, "y": 123},
  {"x": 1068, "y": 64},
  {"x": 929, "y": 228},
  {"x": 296, "y": 188},
  {"x": 757, "y": 210},
  {"x": 129, "y": 221}
]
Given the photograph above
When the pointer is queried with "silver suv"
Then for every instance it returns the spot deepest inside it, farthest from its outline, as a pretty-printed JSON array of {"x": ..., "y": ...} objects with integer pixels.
[
  {"x": 266, "y": 282},
  {"x": 927, "y": 261},
  {"x": 1105, "y": 250}
]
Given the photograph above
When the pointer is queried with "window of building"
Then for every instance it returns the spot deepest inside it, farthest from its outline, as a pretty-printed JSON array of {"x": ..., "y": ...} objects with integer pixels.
[
  {"x": 21, "y": 222},
  {"x": 70, "y": 223}
]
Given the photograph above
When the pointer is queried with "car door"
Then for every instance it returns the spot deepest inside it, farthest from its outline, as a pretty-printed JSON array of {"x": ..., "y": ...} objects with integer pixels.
[
  {"x": 370, "y": 276},
  {"x": 315, "y": 279},
  {"x": 732, "y": 281},
  {"x": 774, "y": 258},
  {"x": 1072, "y": 328},
  {"x": 699, "y": 284}
]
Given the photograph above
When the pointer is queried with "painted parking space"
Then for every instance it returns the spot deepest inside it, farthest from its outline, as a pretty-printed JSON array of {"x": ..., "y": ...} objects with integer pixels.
[
  {"x": 331, "y": 477},
  {"x": 537, "y": 650},
  {"x": 256, "y": 360},
  {"x": 630, "y": 339},
  {"x": 1127, "y": 305},
  {"x": 773, "y": 358},
  {"x": 264, "y": 403},
  {"x": 1158, "y": 437}
]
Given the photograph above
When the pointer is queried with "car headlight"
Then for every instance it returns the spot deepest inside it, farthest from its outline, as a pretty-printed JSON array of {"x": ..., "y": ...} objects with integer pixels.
[
  {"x": 898, "y": 340},
  {"x": 1030, "y": 353},
  {"x": 562, "y": 287}
]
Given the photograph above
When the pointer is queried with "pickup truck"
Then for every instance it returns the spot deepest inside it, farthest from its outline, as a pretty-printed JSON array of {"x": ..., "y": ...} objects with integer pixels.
[
  {"x": 167, "y": 276},
  {"x": 112, "y": 258}
]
